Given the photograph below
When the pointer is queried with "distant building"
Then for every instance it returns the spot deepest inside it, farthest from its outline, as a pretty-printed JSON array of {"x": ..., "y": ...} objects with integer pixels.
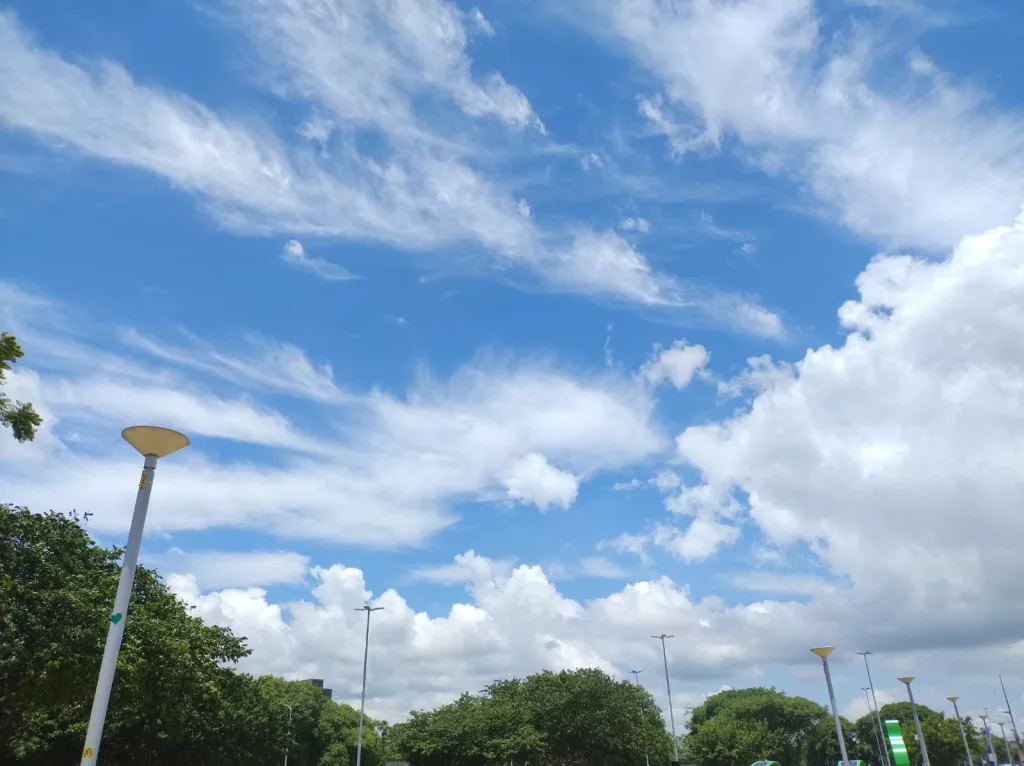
[{"x": 319, "y": 684}]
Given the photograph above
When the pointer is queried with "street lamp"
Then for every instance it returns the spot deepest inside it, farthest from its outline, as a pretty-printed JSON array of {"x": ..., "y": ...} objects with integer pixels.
[
  {"x": 917, "y": 721},
  {"x": 288, "y": 746},
  {"x": 986, "y": 730},
  {"x": 362, "y": 702},
  {"x": 668, "y": 685},
  {"x": 1002, "y": 730},
  {"x": 878, "y": 741},
  {"x": 823, "y": 652},
  {"x": 153, "y": 443},
  {"x": 963, "y": 735},
  {"x": 878, "y": 714},
  {"x": 636, "y": 675},
  {"x": 1013, "y": 723}
]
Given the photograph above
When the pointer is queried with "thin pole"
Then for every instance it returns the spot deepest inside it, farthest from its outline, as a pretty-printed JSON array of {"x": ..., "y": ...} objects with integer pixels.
[
  {"x": 118, "y": 618},
  {"x": 362, "y": 702},
  {"x": 878, "y": 742},
  {"x": 963, "y": 734},
  {"x": 1013, "y": 723},
  {"x": 668, "y": 686},
  {"x": 1002, "y": 730},
  {"x": 288, "y": 746},
  {"x": 878, "y": 714},
  {"x": 835, "y": 714},
  {"x": 636, "y": 675},
  {"x": 990, "y": 754},
  {"x": 917, "y": 725}
]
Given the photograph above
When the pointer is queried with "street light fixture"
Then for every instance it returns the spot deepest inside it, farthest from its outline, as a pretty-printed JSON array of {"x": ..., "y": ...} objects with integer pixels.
[
  {"x": 668, "y": 686},
  {"x": 636, "y": 675},
  {"x": 362, "y": 701},
  {"x": 963, "y": 735},
  {"x": 153, "y": 443},
  {"x": 878, "y": 714},
  {"x": 823, "y": 652},
  {"x": 917, "y": 721}
]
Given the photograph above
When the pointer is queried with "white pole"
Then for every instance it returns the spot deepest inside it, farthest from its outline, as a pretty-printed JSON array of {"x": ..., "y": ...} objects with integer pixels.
[
  {"x": 362, "y": 701},
  {"x": 835, "y": 713},
  {"x": 668, "y": 686},
  {"x": 878, "y": 714},
  {"x": 878, "y": 742},
  {"x": 963, "y": 734},
  {"x": 115, "y": 631},
  {"x": 917, "y": 724},
  {"x": 288, "y": 746},
  {"x": 1013, "y": 723}
]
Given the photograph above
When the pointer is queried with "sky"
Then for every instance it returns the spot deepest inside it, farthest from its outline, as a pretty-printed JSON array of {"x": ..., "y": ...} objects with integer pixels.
[{"x": 547, "y": 327}]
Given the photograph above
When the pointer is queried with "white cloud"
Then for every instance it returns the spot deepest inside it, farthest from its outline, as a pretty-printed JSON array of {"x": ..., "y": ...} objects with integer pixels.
[
  {"x": 534, "y": 480},
  {"x": 467, "y": 567},
  {"x": 698, "y": 542},
  {"x": 641, "y": 225},
  {"x": 363, "y": 69},
  {"x": 915, "y": 163},
  {"x": 232, "y": 569},
  {"x": 665, "y": 481},
  {"x": 626, "y": 486},
  {"x": 677, "y": 364},
  {"x": 295, "y": 254}
]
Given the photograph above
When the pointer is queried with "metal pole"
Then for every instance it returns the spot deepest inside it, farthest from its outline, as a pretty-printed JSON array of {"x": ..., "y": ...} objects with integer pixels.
[
  {"x": 115, "y": 631},
  {"x": 963, "y": 734},
  {"x": 636, "y": 675},
  {"x": 990, "y": 754},
  {"x": 878, "y": 714},
  {"x": 835, "y": 714},
  {"x": 288, "y": 746},
  {"x": 1002, "y": 730},
  {"x": 1013, "y": 723},
  {"x": 362, "y": 702},
  {"x": 668, "y": 686},
  {"x": 878, "y": 742},
  {"x": 917, "y": 721}
]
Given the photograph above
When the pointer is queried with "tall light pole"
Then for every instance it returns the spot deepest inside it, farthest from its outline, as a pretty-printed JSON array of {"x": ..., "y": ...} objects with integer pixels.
[
  {"x": 636, "y": 675},
  {"x": 878, "y": 741},
  {"x": 878, "y": 715},
  {"x": 963, "y": 734},
  {"x": 153, "y": 443},
  {"x": 917, "y": 721},
  {"x": 1002, "y": 730},
  {"x": 1013, "y": 723},
  {"x": 986, "y": 730},
  {"x": 288, "y": 746},
  {"x": 823, "y": 652},
  {"x": 362, "y": 701},
  {"x": 668, "y": 686}
]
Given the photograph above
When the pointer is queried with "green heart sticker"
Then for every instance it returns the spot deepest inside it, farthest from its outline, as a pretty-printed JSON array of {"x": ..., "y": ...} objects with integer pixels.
[{"x": 116, "y": 618}]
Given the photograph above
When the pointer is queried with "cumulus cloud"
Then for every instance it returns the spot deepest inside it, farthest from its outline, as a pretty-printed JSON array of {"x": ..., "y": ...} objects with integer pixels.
[
  {"x": 677, "y": 364},
  {"x": 534, "y": 480}
]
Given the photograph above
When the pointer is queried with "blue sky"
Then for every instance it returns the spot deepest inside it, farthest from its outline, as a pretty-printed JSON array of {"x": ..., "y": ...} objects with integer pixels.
[{"x": 582, "y": 288}]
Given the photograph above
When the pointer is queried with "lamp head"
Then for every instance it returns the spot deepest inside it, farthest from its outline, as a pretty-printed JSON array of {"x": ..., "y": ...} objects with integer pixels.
[
  {"x": 953, "y": 699},
  {"x": 906, "y": 679},
  {"x": 823, "y": 651},
  {"x": 154, "y": 441}
]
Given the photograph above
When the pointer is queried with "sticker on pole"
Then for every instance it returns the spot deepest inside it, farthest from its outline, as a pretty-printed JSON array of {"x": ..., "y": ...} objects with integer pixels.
[
  {"x": 142, "y": 481},
  {"x": 89, "y": 752},
  {"x": 116, "y": 618}
]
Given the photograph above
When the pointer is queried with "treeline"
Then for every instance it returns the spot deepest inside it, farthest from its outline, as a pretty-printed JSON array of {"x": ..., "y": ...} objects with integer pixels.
[
  {"x": 738, "y": 727},
  {"x": 175, "y": 699}
]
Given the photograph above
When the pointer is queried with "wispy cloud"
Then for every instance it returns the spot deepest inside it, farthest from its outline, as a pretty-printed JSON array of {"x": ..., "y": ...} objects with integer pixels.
[{"x": 295, "y": 254}]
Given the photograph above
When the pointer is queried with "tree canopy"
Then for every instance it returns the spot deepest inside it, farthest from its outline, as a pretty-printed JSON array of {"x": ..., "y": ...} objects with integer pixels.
[
  {"x": 20, "y": 417},
  {"x": 176, "y": 698}
]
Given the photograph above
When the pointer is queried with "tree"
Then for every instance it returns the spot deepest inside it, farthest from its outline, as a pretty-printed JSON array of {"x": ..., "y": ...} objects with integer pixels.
[{"x": 20, "y": 417}]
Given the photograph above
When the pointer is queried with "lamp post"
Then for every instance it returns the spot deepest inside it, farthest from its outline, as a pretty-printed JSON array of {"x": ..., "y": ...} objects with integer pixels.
[
  {"x": 1013, "y": 723},
  {"x": 362, "y": 701},
  {"x": 153, "y": 443},
  {"x": 878, "y": 741},
  {"x": 986, "y": 731},
  {"x": 917, "y": 721},
  {"x": 1002, "y": 730},
  {"x": 823, "y": 652},
  {"x": 668, "y": 686},
  {"x": 878, "y": 715},
  {"x": 288, "y": 746},
  {"x": 636, "y": 675},
  {"x": 963, "y": 734}
]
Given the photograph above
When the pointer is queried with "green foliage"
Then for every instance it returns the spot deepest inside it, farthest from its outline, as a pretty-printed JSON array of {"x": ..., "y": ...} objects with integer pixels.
[
  {"x": 19, "y": 417},
  {"x": 175, "y": 697},
  {"x": 571, "y": 718}
]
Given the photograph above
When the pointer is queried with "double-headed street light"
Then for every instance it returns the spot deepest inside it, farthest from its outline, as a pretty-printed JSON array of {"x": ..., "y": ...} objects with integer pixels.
[
  {"x": 823, "y": 652},
  {"x": 963, "y": 734},
  {"x": 917, "y": 721},
  {"x": 362, "y": 701},
  {"x": 668, "y": 686},
  {"x": 153, "y": 443}
]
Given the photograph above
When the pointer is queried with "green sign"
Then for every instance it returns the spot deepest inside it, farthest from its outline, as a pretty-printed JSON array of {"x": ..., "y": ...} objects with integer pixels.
[{"x": 899, "y": 749}]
